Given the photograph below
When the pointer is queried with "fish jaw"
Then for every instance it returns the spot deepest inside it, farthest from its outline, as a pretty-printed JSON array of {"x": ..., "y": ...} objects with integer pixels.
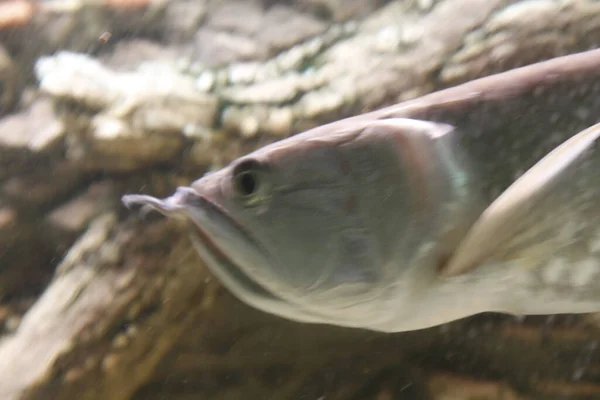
[
  {"x": 208, "y": 223},
  {"x": 227, "y": 250}
]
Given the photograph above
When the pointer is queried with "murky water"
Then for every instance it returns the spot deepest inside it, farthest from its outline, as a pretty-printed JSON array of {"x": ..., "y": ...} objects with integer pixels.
[{"x": 99, "y": 99}]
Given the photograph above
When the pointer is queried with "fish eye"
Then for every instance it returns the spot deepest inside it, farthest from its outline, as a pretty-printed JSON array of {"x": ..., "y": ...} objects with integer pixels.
[{"x": 250, "y": 182}]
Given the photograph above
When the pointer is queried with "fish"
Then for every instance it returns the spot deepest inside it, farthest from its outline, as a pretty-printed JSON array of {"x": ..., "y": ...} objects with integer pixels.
[{"x": 482, "y": 197}]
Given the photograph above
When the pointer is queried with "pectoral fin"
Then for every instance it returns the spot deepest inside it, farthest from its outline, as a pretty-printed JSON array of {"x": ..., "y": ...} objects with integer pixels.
[{"x": 526, "y": 218}]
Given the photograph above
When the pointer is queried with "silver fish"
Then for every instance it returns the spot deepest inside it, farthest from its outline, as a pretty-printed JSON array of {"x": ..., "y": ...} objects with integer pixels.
[{"x": 482, "y": 197}]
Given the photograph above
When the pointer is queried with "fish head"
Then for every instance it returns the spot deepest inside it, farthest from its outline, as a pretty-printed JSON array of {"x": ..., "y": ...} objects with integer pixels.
[{"x": 321, "y": 226}]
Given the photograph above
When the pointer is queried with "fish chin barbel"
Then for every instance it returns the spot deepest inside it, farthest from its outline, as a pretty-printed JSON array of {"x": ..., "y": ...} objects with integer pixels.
[{"x": 483, "y": 197}]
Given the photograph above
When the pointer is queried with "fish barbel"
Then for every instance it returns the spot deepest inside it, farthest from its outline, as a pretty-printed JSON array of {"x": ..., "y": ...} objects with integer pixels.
[{"x": 484, "y": 197}]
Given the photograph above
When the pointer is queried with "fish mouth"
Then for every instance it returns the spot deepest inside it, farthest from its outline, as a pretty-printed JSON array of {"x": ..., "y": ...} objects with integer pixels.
[
  {"x": 224, "y": 245},
  {"x": 208, "y": 221},
  {"x": 222, "y": 266}
]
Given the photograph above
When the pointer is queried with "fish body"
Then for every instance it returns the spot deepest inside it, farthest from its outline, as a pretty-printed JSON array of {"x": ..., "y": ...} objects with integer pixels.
[{"x": 482, "y": 197}]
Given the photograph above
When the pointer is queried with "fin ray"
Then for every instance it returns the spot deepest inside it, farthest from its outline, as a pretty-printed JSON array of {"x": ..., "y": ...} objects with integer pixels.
[{"x": 503, "y": 223}]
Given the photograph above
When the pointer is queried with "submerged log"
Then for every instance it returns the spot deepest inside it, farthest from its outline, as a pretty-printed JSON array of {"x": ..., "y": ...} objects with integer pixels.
[
  {"x": 130, "y": 311},
  {"x": 117, "y": 303}
]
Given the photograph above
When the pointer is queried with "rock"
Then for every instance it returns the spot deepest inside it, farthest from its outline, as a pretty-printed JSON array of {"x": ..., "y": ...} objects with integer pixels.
[
  {"x": 128, "y": 54},
  {"x": 42, "y": 186},
  {"x": 8, "y": 220},
  {"x": 183, "y": 18},
  {"x": 132, "y": 119},
  {"x": 274, "y": 91},
  {"x": 216, "y": 48},
  {"x": 449, "y": 387},
  {"x": 340, "y": 10},
  {"x": 25, "y": 254},
  {"x": 279, "y": 123},
  {"x": 284, "y": 27},
  {"x": 8, "y": 84},
  {"x": 71, "y": 218},
  {"x": 78, "y": 78},
  {"x": 15, "y": 13},
  {"x": 226, "y": 17},
  {"x": 225, "y": 38},
  {"x": 29, "y": 137},
  {"x": 35, "y": 129}
]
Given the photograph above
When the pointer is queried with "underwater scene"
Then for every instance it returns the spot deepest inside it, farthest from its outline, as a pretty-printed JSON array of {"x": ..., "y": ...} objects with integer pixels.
[{"x": 299, "y": 199}]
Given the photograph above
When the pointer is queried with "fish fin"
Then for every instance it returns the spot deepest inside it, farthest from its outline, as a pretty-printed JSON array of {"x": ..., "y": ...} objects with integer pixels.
[{"x": 509, "y": 222}]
